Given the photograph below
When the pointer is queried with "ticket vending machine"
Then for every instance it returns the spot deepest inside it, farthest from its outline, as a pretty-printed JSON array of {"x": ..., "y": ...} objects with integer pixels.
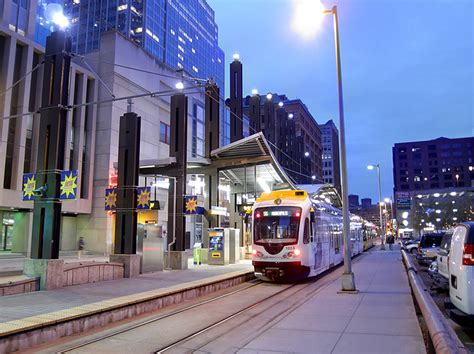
[
  {"x": 218, "y": 253},
  {"x": 224, "y": 246}
]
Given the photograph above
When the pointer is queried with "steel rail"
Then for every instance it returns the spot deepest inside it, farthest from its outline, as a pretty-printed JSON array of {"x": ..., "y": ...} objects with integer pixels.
[
  {"x": 441, "y": 333},
  {"x": 312, "y": 281},
  {"x": 155, "y": 319}
]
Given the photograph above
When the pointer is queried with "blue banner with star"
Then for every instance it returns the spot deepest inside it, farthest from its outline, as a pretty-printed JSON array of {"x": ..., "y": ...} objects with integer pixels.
[
  {"x": 191, "y": 206},
  {"x": 68, "y": 186},
  {"x": 110, "y": 199},
  {"x": 143, "y": 198},
  {"x": 29, "y": 185}
]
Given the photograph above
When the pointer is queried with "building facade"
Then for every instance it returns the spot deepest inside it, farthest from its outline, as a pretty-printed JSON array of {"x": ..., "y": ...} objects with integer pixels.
[
  {"x": 292, "y": 132},
  {"x": 181, "y": 33},
  {"x": 21, "y": 62},
  {"x": 330, "y": 155},
  {"x": 433, "y": 164},
  {"x": 433, "y": 173},
  {"x": 154, "y": 138}
]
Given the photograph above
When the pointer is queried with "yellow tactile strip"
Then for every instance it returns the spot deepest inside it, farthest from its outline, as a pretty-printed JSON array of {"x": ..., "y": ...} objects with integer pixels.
[{"x": 38, "y": 321}]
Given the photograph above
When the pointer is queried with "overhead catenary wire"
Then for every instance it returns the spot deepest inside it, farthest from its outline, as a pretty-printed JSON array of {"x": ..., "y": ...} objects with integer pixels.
[
  {"x": 193, "y": 80},
  {"x": 21, "y": 79},
  {"x": 69, "y": 107}
]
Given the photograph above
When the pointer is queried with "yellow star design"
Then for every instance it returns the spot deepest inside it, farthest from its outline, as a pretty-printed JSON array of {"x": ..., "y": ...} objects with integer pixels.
[{"x": 68, "y": 186}]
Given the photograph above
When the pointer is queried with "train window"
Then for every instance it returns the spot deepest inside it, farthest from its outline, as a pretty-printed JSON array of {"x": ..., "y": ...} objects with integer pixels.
[
  {"x": 277, "y": 225},
  {"x": 306, "y": 234}
]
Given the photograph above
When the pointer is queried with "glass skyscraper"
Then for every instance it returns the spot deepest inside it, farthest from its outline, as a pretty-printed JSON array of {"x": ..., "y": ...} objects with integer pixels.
[{"x": 181, "y": 33}]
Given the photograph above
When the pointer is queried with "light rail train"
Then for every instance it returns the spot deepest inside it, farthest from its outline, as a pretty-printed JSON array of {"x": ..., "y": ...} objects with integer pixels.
[{"x": 297, "y": 234}]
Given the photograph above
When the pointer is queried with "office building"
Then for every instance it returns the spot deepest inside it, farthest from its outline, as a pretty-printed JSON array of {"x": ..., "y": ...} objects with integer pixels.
[
  {"x": 181, "y": 33},
  {"x": 433, "y": 164},
  {"x": 433, "y": 172},
  {"x": 330, "y": 156},
  {"x": 353, "y": 200},
  {"x": 292, "y": 132},
  {"x": 20, "y": 53}
]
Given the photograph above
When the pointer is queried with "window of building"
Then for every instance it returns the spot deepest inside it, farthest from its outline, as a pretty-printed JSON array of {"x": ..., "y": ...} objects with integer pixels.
[
  {"x": 431, "y": 147},
  {"x": 416, "y": 149},
  {"x": 434, "y": 170},
  {"x": 198, "y": 131},
  {"x": 432, "y": 155},
  {"x": 404, "y": 187},
  {"x": 164, "y": 133},
  {"x": 402, "y": 150},
  {"x": 402, "y": 157}
]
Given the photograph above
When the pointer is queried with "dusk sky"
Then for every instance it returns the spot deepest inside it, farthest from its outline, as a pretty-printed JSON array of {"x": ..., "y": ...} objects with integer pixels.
[{"x": 407, "y": 69}]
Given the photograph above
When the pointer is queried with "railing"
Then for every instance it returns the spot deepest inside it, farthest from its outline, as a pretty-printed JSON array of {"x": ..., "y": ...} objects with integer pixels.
[{"x": 442, "y": 335}]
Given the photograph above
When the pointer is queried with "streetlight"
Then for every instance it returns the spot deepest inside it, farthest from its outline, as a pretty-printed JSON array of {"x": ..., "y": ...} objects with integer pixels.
[
  {"x": 371, "y": 167},
  {"x": 305, "y": 22},
  {"x": 389, "y": 200}
]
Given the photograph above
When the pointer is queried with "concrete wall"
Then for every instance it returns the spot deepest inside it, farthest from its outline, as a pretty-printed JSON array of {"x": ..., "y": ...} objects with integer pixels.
[
  {"x": 69, "y": 239},
  {"x": 21, "y": 232}
]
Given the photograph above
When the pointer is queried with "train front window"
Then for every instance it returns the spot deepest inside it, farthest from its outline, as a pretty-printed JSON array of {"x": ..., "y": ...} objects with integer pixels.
[{"x": 276, "y": 225}]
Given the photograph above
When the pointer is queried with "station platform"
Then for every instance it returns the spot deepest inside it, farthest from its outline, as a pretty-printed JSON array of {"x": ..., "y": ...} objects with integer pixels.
[
  {"x": 380, "y": 318},
  {"x": 105, "y": 301}
]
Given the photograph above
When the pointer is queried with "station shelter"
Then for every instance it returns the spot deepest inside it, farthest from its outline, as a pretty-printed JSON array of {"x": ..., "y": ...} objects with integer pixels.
[{"x": 222, "y": 190}]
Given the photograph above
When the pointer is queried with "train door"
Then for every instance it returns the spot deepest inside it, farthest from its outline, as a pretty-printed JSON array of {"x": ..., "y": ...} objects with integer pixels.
[
  {"x": 308, "y": 244},
  {"x": 316, "y": 242}
]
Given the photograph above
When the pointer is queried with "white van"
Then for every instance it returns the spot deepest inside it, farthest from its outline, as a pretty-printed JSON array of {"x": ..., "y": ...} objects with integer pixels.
[{"x": 461, "y": 268}]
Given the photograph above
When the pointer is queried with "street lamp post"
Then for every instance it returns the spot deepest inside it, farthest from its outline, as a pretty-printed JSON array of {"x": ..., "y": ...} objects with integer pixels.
[
  {"x": 306, "y": 24},
  {"x": 371, "y": 167},
  {"x": 348, "y": 282}
]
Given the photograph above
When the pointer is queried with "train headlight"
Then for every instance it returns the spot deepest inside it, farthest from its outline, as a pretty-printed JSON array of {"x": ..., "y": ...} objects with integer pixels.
[
  {"x": 257, "y": 253},
  {"x": 292, "y": 254}
]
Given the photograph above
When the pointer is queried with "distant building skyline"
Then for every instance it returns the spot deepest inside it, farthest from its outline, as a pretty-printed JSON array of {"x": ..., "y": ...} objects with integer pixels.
[{"x": 405, "y": 76}]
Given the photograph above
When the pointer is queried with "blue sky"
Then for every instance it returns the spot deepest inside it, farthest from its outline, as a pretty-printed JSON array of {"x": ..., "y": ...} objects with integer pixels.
[{"x": 407, "y": 68}]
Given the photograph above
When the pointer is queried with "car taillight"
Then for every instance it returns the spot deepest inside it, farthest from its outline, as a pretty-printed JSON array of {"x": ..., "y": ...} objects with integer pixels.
[
  {"x": 468, "y": 255},
  {"x": 254, "y": 252},
  {"x": 448, "y": 261}
]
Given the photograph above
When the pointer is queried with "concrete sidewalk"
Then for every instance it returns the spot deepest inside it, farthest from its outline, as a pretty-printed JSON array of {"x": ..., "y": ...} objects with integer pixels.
[
  {"x": 379, "y": 319},
  {"x": 23, "y": 306}
]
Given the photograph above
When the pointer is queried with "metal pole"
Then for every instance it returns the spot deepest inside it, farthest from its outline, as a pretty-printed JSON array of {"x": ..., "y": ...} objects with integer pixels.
[
  {"x": 348, "y": 282},
  {"x": 382, "y": 229},
  {"x": 174, "y": 224}
]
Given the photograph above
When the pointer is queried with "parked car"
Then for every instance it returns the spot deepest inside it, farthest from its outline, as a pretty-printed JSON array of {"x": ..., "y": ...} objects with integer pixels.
[
  {"x": 443, "y": 255},
  {"x": 433, "y": 270},
  {"x": 428, "y": 248},
  {"x": 461, "y": 271},
  {"x": 411, "y": 246}
]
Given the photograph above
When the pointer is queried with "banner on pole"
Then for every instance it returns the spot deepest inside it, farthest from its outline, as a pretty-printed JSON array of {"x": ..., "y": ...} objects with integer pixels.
[
  {"x": 29, "y": 185},
  {"x": 110, "y": 199},
  {"x": 143, "y": 198}
]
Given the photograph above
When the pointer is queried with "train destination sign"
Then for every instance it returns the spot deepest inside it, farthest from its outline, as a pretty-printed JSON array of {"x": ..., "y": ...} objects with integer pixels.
[{"x": 277, "y": 213}]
